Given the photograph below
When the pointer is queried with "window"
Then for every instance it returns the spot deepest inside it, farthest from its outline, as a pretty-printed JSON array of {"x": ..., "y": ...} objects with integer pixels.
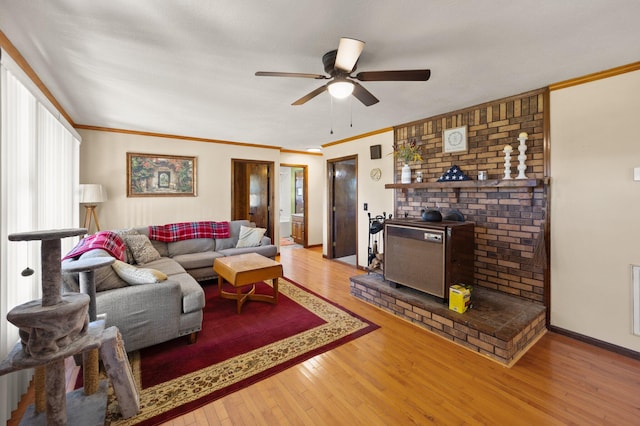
[{"x": 39, "y": 169}]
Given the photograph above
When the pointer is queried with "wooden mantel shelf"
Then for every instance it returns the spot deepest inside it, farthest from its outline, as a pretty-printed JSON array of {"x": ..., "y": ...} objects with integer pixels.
[
  {"x": 456, "y": 186},
  {"x": 494, "y": 183}
]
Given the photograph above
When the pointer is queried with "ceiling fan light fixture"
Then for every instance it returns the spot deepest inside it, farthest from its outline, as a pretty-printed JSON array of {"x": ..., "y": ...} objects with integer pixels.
[{"x": 340, "y": 89}]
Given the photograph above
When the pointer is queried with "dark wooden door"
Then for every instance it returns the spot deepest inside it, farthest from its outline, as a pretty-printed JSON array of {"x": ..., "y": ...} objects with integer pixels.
[
  {"x": 252, "y": 193},
  {"x": 343, "y": 196},
  {"x": 259, "y": 195}
]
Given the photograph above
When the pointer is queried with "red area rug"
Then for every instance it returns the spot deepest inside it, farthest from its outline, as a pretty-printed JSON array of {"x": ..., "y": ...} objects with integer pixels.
[{"x": 234, "y": 351}]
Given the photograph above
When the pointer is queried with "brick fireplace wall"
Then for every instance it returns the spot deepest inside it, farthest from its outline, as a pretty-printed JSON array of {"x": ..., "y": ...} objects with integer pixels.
[{"x": 510, "y": 222}]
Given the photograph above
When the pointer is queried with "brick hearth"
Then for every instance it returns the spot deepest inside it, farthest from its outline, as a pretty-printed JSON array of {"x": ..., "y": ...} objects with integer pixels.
[{"x": 499, "y": 326}]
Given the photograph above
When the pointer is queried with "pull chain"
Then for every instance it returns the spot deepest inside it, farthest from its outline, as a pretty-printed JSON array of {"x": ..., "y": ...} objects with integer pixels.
[
  {"x": 331, "y": 115},
  {"x": 351, "y": 110}
]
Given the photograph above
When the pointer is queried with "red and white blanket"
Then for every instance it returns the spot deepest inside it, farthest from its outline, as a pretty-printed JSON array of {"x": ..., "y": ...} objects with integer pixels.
[
  {"x": 108, "y": 241},
  {"x": 189, "y": 230}
]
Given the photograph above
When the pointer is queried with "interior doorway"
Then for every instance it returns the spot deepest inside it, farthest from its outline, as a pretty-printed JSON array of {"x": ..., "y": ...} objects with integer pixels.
[
  {"x": 342, "y": 215},
  {"x": 293, "y": 205},
  {"x": 252, "y": 193}
]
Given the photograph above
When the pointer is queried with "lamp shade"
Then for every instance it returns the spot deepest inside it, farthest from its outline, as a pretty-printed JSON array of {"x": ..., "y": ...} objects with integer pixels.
[
  {"x": 92, "y": 193},
  {"x": 340, "y": 89}
]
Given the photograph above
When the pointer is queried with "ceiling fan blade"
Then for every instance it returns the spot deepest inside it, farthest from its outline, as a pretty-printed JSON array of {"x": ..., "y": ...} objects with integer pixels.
[
  {"x": 349, "y": 51},
  {"x": 310, "y": 95},
  {"x": 290, "y": 74},
  {"x": 404, "y": 75},
  {"x": 363, "y": 95}
]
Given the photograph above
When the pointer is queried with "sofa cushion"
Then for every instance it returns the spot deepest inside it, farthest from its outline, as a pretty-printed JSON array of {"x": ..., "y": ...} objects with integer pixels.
[
  {"x": 225, "y": 243},
  {"x": 250, "y": 237},
  {"x": 134, "y": 275},
  {"x": 234, "y": 229},
  {"x": 266, "y": 251},
  {"x": 141, "y": 248},
  {"x": 192, "y": 293},
  {"x": 122, "y": 232},
  {"x": 195, "y": 245},
  {"x": 203, "y": 274},
  {"x": 166, "y": 265},
  {"x": 197, "y": 260},
  {"x": 158, "y": 245}
]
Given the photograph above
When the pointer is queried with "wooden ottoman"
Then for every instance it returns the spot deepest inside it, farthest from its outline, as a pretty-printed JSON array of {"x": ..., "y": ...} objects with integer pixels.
[{"x": 247, "y": 269}]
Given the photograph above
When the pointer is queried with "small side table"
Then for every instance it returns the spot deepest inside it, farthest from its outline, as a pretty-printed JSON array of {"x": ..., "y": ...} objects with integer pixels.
[{"x": 247, "y": 269}]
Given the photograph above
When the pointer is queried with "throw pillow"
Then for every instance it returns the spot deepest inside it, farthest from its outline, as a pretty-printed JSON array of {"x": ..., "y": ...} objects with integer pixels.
[
  {"x": 123, "y": 232},
  {"x": 134, "y": 275},
  {"x": 250, "y": 237},
  {"x": 141, "y": 248}
]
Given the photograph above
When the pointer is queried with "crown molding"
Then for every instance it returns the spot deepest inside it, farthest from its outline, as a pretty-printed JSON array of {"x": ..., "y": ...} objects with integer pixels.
[
  {"x": 595, "y": 76},
  {"x": 164, "y": 135},
  {"x": 12, "y": 51}
]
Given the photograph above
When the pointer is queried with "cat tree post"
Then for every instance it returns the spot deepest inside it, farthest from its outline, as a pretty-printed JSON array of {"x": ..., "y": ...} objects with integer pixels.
[
  {"x": 56, "y": 327},
  {"x": 50, "y": 328},
  {"x": 90, "y": 359}
]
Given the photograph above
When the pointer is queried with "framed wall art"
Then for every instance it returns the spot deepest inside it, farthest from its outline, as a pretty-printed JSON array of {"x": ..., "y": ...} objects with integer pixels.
[
  {"x": 156, "y": 175},
  {"x": 454, "y": 140}
]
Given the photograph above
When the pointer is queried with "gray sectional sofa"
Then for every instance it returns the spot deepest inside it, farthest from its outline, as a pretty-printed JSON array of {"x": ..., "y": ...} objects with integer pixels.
[{"x": 148, "y": 313}]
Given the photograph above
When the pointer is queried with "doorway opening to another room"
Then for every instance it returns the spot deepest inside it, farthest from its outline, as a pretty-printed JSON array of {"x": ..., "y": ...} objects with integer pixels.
[{"x": 293, "y": 206}]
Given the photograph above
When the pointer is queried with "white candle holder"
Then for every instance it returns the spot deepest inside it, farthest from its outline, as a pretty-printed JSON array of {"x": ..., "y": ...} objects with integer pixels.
[
  {"x": 507, "y": 161},
  {"x": 522, "y": 148}
]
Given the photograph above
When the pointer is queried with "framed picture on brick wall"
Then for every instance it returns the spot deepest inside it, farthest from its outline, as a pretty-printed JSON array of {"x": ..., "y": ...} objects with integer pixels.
[{"x": 454, "y": 140}]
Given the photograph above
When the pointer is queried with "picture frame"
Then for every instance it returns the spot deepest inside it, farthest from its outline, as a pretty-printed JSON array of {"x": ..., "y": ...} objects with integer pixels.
[
  {"x": 159, "y": 175},
  {"x": 454, "y": 140}
]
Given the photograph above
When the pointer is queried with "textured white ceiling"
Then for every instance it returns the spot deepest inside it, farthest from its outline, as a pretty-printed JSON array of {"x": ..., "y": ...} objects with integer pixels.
[{"x": 187, "y": 67}]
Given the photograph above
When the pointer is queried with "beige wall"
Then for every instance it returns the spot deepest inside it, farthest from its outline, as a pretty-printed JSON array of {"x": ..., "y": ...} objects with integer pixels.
[
  {"x": 369, "y": 191},
  {"x": 103, "y": 160},
  {"x": 595, "y": 207}
]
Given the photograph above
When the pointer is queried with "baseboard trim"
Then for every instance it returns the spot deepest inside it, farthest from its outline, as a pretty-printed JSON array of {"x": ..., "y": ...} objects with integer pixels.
[{"x": 595, "y": 342}]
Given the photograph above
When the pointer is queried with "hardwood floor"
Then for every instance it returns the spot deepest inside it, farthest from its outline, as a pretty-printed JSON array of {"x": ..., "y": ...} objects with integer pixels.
[{"x": 401, "y": 374}]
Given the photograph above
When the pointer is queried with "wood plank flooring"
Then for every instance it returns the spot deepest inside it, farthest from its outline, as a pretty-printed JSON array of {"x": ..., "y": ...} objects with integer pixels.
[{"x": 401, "y": 374}]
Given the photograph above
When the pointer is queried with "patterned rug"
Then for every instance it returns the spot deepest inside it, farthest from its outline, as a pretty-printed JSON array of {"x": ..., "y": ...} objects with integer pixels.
[{"x": 234, "y": 351}]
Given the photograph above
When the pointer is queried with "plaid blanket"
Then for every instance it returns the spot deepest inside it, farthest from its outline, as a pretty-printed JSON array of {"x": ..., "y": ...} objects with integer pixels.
[
  {"x": 108, "y": 241},
  {"x": 189, "y": 230}
]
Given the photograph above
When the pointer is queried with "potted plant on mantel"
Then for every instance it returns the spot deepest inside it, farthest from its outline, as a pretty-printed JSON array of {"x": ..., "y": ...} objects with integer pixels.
[{"x": 407, "y": 151}]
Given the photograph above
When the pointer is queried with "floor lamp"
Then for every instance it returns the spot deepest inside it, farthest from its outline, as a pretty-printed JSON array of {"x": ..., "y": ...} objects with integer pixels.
[{"x": 91, "y": 195}]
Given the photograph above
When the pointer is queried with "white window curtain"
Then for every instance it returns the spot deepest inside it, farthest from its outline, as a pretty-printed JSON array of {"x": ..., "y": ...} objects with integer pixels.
[{"x": 39, "y": 171}]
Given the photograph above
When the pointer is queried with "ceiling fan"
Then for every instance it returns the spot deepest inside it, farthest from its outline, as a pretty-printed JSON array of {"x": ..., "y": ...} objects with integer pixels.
[{"x": 339, "y": 64}]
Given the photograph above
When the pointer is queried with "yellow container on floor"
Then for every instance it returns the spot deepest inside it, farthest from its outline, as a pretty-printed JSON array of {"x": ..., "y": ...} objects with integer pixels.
[{"x": 459, "y": 298}]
